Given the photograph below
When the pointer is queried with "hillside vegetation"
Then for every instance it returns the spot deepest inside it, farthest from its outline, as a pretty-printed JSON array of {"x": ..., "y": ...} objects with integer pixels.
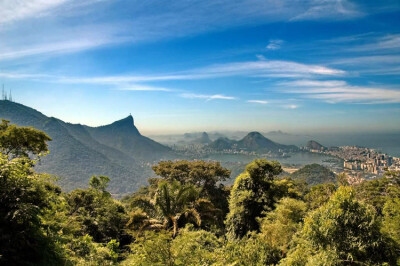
[
  {"x": 186, "y": 216},
  {"x": 314, "y": 174},
  {"x": 78, "y": 151}
]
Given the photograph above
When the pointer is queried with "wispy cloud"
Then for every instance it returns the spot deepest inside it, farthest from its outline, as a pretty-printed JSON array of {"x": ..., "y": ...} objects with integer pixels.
[
  {"x": 261, "y": 57},
  {"x": 274, "y": 44},
  {"x": 313, "y": 83},
  {"x": 271, "y": 68},
  {"x": 265, "y": 68},
  {"x": 258, "y": 101},
  {"x": 207, "y": 97},
  {"x": 13, "y": 10},
  {"x": 329, "y": 9},
  {"x": 339, "y": 91},
  {"x": 56, "y": 48},
  {"x": 290, "y": 106},
  {"x": 368, "y": 42},
  {"x": 387, "y": 42},
  {"x": 372, "y": 64},
  {"x": 373, "y": 59},
  {"x": 146, "y": 21},
  {"x": 138, "y": 87},
  {"x": 25, "y": 76}
]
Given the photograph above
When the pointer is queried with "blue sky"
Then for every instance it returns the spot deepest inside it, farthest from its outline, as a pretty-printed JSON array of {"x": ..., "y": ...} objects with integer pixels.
[{"x": 180, "y": 66}]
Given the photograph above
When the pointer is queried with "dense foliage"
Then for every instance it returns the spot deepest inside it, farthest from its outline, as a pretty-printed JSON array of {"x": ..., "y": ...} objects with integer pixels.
[
  {"x": 186, "y": 216},
  {"x": 314, "y": 174}
]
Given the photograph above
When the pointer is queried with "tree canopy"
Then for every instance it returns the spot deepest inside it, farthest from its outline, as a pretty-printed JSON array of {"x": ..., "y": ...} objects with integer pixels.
[
  {"x": 21, "y": 141},
  {"x": 182, "y": 217}
]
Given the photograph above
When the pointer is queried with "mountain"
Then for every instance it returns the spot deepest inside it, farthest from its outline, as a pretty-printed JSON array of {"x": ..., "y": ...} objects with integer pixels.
[
  {"x": 77, "y": 151},
  {"x": 221, "y": 144},
  {"x": 314, "y": 174},
  {"x": 313, "y": 145},
  {"x": 204, "y": 139},
  {"x": 277, "y": 133},
  {"x": 253, "y": 141},
  {"x": 124, "y": 136}
]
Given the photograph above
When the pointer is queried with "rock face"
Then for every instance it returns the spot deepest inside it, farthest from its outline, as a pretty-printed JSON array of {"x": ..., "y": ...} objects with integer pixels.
[
  {"x": 313, "y": 145},
  {"x": 77, "y": 151}
]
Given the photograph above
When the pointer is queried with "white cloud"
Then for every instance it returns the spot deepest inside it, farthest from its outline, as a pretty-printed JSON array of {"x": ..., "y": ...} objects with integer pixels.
[
  {"x": 258, "y": 101},
  {"x": 274, "y": 44},
  {"x": 54, "y": 48},
  {"x": 329, "y": 9},
  {"x": 147, "y": 21},
  {"x": 13, "y": 10},
  {"x": 314, "y": 83},
  {"x": 261, "y": 57},
  {"x": 266, "y": 68},
  {"x": 10, "y": 75},
  {"x": 372, "y": 65},
  {"x": 138, "y": 87},
  {"x": 388, "y": 42},
  {"x": 373, "y": 59},
  {"x": 290, "y": 106},
  {"x": 207, "y": 97},
  {"x": 339, "y": 91},
  {"x": 270, "y": 68}
]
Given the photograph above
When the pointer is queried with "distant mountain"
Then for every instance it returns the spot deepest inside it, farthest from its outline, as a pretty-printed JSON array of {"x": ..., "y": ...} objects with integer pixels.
[
  {"x": 314, "y": 174},
  {"x": 204, "y": 139},
  {"x": 117, "y": 150},
  {"x": 277, "y": 133},
  {"x": 253, "y": 141},
  {"x": 313, "y": 145},
  {"x": 221, "y": 144},
  {"x": 124, "y": 136}
]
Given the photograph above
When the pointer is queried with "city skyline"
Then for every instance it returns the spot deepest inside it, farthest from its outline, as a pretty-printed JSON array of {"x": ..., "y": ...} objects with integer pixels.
[{"x": 323, "y": 66}]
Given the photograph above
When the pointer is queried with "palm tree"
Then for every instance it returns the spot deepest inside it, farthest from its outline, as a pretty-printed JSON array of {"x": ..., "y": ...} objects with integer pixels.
[{"x": 173, "y": 205}]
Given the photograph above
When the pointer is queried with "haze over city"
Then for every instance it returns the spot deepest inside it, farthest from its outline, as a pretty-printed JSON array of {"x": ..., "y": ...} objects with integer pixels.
[{"x": 184, "y": 66}]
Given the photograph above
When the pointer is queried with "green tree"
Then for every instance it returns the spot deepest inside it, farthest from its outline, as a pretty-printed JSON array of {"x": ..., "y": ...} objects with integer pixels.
[
  {"x": 342, "y": 179},
  {"x": 253, "y": 193},
  {"x": 391, "y": 219},
  {"x": 393, "y": 176},
  {"x": 173, "y": 205},
  {"x": 376, "y": 192},
  {"x": 248, "y": 250},
  {"x": 99, "y": 182},
  {"x": 281, "y": 224},
  {"x": 206, "y": 176},
  {"x": 21, "y": 141},
  {"x": 199, "y": 173},
  {"x": 343, "y": 231},
  {"x": 97, "y": 213},
  {"x": 319, "y": 195},
  {"x": 190, "y": 247},
  {"x": 25, "y": 198}
]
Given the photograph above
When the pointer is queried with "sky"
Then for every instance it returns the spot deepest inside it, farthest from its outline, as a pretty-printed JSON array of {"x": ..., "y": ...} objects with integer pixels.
[{"x": 299, "y": 66}]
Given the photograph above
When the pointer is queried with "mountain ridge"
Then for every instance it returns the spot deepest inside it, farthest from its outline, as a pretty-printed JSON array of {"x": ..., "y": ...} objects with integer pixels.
[
  {"x": 79, "y": 151},
  {"x": 253, "y": 141}
]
